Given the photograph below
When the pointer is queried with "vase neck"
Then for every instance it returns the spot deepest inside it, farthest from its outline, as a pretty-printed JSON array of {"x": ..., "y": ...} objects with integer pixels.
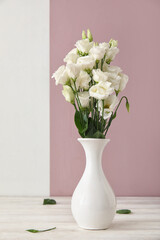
[{"x": 93, "y": 149}]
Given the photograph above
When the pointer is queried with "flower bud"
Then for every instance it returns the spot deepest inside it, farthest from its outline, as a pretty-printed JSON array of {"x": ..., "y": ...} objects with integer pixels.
[
  {"x": 89, "y": 35},
  {"x": 127, "y": 105},
  {"x": 96, "y": 44},
  {"x": 113, "y": 43},
  {"x": 84, "y": 35}
]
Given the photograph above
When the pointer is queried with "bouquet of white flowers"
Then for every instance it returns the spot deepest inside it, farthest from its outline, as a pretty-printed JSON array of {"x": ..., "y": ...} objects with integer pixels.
[{"x": 92, "y": 85}]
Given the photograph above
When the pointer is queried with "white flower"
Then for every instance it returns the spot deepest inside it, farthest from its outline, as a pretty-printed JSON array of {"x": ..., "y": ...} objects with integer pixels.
[
  {"x": 111, "y": 69},
  {"x": 84, "y": 45},
  {"x": 68, "y": 94},
  {"x": 86, "y": 62},
  {"x": 73, "y": 70},
  {"x": 123, "y": 81},
  {"x": 109, "y": 104},
  {"x": 104, "y": 45},
  {"x": 83, "y": 80},
  {"x": 101, "y": 90},
  {"x": 113, "y": 75},
  {"x": 84, "y": 98},
  {"x": 111, "y": 53},
  {"x": 99, "y": 76},
  {"x": 97, "y": 52},
  {"x": 72, "y": 56},
  {"x": 61, "y": 75},
  {"x": 114, "y": 79},
  {"x": 113, "y": 43}
]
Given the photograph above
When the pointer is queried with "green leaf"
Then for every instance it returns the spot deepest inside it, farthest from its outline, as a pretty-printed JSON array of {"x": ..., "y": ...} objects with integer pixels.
[
  {"x": 81, "y": 121},
  {"x": 37, "y": 231},
  {"x": 91, "y": 128},
  {"x": 98, "y": 134},
  {"x": 48, "y": 201},
  {"x": 82, "y": 134},
  {"x": 78, "y": 121},
  {"x": 92, "y": 132},
  {"x": 127, "y": 105},
  {"x": 123, "y": 211}
]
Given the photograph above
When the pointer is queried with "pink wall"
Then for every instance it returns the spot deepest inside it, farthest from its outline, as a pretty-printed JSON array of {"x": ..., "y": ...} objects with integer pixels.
[{"x": 132, "y": 159}]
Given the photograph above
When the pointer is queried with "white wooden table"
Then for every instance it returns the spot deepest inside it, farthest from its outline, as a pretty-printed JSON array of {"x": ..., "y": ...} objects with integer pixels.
[{"x": 20, "y": 213}]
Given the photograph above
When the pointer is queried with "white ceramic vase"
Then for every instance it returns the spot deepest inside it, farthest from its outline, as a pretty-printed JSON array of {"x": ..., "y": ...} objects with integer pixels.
[{"x": 93, "y": 202}]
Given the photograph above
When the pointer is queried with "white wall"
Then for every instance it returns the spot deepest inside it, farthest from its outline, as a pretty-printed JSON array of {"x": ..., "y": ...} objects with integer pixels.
[{"x": 24, "y": 97}]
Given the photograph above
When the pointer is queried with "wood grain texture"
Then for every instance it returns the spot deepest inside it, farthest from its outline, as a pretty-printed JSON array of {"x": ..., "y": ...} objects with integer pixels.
[{"x": 20, "y": 213}]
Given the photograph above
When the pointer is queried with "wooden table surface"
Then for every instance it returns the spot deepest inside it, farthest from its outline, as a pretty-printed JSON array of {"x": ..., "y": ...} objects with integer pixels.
[{"x": 20, "y": 213}]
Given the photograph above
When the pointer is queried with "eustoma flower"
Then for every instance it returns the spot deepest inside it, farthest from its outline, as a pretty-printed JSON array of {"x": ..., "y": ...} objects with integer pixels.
[
  {"x": 105, "y": 46},
  {"x": 97, "y": 52},
  {"x": 86, "y": 62},
  {"x": 72, "y": 56},
  {"x": 83, "y": 80},
  {"x": 68, "y": 94},
  {"x": 117, "y": 78},
  {"x": 111, "y": 69},
  {"x": 84, "y": 45},
  {"x": 123, "y": 81},
  {"x": 92, "y": 84},
  {"x": 112, "y": 51},
  {"x": 73, "y": 70},
  {"x": 61, "y": 75},
  {"x": 99, "y": 76},
  {"x": 84, "y": 99},
  {"x": 101, "y": 90},
  {"x": 109, "y": 105}
]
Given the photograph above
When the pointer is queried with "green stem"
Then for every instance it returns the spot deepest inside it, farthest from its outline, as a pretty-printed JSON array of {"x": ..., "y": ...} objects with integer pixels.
[
  {"x": 97, "y": 61},
  {"x": 114, "y": 114},
  {"x": 108, "y": 125},
  {"x": 102, "y": 62},
  {"x": 97, "y": 115},
  {"x": 92, "y": 110},
  {"x": 75, "y": 93},
  {"x": 77, "y": 97},
  {"x": 120, "y": 103},
  {"x": 102, "y": 116},
  {"x": 78, "y": 102},
  {"x": 75, "y": 107}
]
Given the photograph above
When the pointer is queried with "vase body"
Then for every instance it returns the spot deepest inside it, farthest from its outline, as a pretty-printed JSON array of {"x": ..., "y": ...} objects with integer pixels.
[{"x": 93, "y": 202}]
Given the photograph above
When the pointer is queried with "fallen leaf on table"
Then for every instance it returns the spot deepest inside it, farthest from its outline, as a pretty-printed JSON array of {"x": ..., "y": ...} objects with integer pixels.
[
  {"x": 123, "y": 211},
  {"x": 48, "y": 201},
  {"x": 37, "y": 231}
]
